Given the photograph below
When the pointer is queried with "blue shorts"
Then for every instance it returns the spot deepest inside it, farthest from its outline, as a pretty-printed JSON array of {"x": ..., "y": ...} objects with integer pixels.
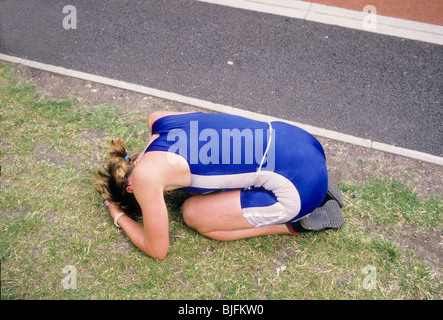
[{"x": 279, "y": 168}]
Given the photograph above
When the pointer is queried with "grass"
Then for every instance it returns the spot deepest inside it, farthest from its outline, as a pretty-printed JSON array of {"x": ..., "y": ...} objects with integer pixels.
[{"x": 51, "y": 218}]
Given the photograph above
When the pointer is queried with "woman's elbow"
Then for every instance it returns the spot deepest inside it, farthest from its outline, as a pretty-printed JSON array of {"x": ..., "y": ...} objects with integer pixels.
[{"x": 158, "y": 254}]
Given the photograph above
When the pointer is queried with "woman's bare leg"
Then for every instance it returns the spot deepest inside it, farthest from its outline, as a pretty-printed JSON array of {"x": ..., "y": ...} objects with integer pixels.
[
  {"x": 247, "y": 233},
  {"x": 219, "y": 216}
]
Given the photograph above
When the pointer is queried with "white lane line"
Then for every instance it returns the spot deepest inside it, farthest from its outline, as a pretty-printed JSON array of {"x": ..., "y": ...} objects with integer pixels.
[
  {"x": 358, "y": 20},
  {"x": 292, "y": 9},
  {"x": 224, "y": 109}
]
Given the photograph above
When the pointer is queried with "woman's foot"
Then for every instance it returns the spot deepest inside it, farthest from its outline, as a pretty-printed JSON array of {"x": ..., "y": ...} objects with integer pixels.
[
  {"x": 328, "y": 216},
  {"x": 333, "y": 193}
]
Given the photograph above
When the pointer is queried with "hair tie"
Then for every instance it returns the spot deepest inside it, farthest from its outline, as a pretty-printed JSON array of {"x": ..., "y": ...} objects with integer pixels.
[{"x": 127, "y": 157}]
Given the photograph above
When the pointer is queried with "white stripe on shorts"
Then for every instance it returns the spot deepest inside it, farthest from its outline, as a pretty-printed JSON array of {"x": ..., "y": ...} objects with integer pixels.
[
  {"x": 265, "y": 216},
  {"x": 287, "y": 207}
]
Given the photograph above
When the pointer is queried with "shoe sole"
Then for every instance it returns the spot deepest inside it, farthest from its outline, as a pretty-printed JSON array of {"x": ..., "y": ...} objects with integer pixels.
[
  {"x": 328, "y": 216},
  {"x": 335, "y": 193}
]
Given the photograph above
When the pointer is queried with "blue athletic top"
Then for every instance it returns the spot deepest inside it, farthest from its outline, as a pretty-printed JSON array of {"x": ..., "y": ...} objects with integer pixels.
[{"x": 226, "y": 151}]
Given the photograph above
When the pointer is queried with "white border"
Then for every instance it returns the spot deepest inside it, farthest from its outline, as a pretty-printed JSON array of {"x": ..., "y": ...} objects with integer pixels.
[
  {"x": 340, "y": 17},
  {"x": 225, "y": 109}
]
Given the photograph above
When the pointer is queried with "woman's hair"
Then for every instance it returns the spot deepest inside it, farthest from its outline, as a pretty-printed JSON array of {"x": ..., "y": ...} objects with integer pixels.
[{"x": 111, "y": 181}]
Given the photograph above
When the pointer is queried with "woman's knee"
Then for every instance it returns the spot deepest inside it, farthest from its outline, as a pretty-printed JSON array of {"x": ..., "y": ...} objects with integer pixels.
[{"x": 189, "y": 212}]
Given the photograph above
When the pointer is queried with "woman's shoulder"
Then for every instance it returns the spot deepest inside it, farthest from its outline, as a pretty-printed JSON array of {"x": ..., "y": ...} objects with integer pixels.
[
  {"x": 160, "y": 166},
  {"x": 160, "y": 114}
]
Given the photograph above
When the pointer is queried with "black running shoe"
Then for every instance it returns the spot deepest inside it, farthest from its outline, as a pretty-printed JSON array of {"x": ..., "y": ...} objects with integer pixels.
[
  {"x": 328, "y": 216},
  {"x": 333, "y": 193}
]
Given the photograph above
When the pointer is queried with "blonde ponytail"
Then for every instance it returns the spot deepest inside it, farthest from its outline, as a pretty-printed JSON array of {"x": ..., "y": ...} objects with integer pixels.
[
  {"x": 118, "y": 150},
  {"x": 111, "y": 181}
]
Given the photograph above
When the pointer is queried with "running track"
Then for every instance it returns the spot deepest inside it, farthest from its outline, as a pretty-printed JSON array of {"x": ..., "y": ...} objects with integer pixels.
[{"x": 363, "y": 84}]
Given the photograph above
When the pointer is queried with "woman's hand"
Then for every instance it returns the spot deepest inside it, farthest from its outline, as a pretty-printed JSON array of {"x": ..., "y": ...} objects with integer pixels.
[{"x": 113, "y": 209}]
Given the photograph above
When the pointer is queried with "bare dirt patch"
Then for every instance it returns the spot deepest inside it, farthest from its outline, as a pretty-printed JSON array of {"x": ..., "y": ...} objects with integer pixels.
[
  {"x": 357, "y": 164},
  {"x": 44, "y": 153},
  {"x": 426, "y": 244},
  {"x": 92, "y": 94}
]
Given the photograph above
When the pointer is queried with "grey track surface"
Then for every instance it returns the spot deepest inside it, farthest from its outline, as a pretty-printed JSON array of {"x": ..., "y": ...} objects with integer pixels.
[{"x": 368, "y": 85}]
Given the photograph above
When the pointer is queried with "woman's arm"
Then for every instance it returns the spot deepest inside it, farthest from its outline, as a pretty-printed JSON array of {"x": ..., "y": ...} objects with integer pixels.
[
  {"x": 148, "y": 188},
  {"x": 153, "y": 236},
  {"x": 132, "y": 228},
  {"x": 151, "y": 178}
]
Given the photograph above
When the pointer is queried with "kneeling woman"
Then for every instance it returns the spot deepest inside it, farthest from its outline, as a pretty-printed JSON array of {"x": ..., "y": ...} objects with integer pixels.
[{"x": 271, "y": 179}]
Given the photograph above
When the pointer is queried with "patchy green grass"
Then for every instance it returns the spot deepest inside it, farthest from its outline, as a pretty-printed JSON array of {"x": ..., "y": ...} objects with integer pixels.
[{"x": 51, "y": 218}]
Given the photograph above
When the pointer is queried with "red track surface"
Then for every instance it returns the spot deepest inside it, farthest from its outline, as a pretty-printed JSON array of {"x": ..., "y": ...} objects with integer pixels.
[{"x": 429, "y": 11}]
